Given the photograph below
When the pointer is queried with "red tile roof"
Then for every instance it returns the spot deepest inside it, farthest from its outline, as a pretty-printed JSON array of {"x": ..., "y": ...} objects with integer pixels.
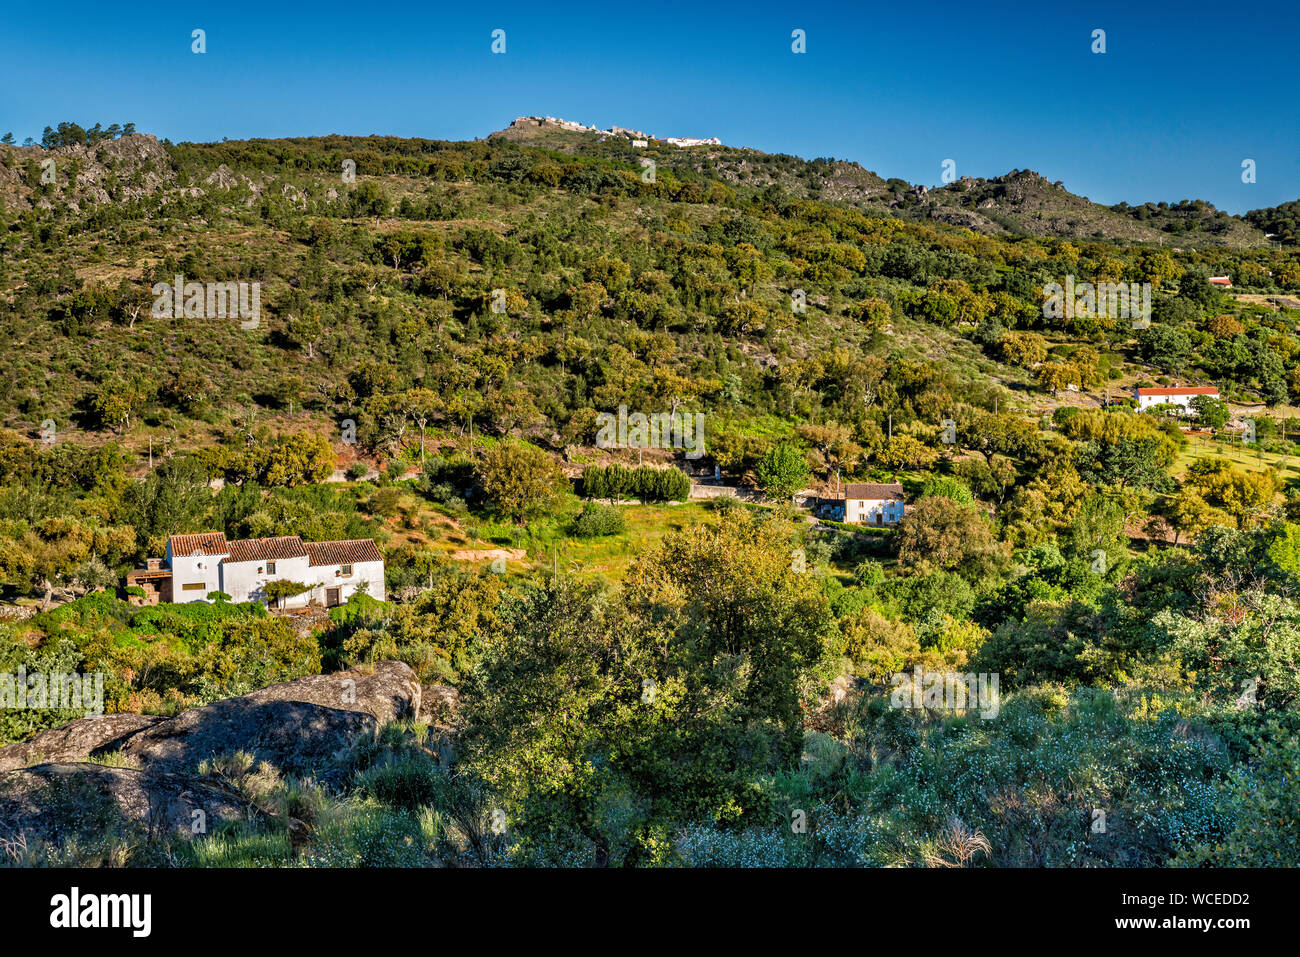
[
  {"x": 284, "y": 546},
  {"x": 209, "y": 543},
  {"x": 344, "y": 553},
  {"x": 1181, "y": 390},
  {"x": 865, "y": 490},
  {"x": 261, "y": 549}
]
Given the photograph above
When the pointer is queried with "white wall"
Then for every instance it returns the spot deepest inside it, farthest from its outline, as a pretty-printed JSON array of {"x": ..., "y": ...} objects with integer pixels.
[
  {"x": 192, "y": 570},
  {"x": 243, "y": 581},
  {"x": 1183, "y": 401},
  {"x": 370, "y": 572},
  {"x": 860, "y": 510}
]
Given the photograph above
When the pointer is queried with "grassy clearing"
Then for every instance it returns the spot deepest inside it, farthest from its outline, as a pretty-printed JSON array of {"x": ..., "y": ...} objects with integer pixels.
[
  {"x": 414, "y": 521},
  {"x": 549, "y": 544},
  {"x": 1242, "y": 457}
]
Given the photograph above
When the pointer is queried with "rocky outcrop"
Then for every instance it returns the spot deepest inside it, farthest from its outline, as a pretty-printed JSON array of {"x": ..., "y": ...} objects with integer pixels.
[
  {"x": 295, "y": 737},
  {"x": 53, "y": 802},
  {"x": 222, "y": 178},
  {"x": 439, "y": 705},
  {"x": 388, "y": 691},
  {"x": 17, "y": 613},
  {"x": 119, "y": 170},
  {"x": 301, "y": 726},
  {"x": 309, "y": 726},
  {"x": 76, "y": 741},
  {"x": 964, "y": 217}
]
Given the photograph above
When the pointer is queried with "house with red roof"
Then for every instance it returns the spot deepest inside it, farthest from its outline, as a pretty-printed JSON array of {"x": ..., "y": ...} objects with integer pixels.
[
  {"x": 865, "y": 503},
  {"x": 1179, "y": 395},
  {"x": 195, "y": 566}
]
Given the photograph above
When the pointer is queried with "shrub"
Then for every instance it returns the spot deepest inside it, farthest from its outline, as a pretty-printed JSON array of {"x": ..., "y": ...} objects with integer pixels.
[
  {"x": 645, "y": 482},
  {"x": 948, "y": 487},
  {"x": 869, "y": 573},
  {"x": 597, "y": 520},
  {"x": 518, "y": 479},
  {"x": 783, "y": 470},
  {"x": 403, "y": 781}
]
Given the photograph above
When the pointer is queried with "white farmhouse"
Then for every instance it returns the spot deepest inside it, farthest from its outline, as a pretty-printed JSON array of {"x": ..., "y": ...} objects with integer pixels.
[
  {"x": 870, "y": 503},
  {"x": 866, "y": 503},
  {"x": 206, "y": 562},
  {"x": 1180, "y": 396}
]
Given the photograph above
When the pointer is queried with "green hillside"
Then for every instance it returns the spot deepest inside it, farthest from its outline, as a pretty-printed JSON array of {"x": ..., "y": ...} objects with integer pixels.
[{"x": 440, "y": 328}]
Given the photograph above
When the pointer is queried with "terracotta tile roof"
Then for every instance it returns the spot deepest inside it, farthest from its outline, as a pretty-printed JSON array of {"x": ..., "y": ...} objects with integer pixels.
[
  {"x": 861, "y": 490},
  {"x": 209, "y": 543},
  {"x": 1181, "y": 390},
  {"x": 261, "y": 549},
  {"x": 343, "y": 553}
]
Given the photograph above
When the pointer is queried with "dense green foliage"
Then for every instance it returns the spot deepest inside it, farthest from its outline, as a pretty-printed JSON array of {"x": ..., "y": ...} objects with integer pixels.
[
  {"x": 460, "y": 316},
  {"x": 644, "y": 482}
]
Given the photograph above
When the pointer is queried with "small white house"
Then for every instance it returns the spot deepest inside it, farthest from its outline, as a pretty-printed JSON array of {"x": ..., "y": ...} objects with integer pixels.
[
  {"x": 870, "y": 503},
  {"x": 206, "y": 562},
  {"x": 865, "y": 503},
  {"x": 1180, "y": 396}
]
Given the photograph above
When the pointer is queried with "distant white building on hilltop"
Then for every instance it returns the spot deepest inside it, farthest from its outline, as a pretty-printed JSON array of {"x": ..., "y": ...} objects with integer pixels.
[
  {"x": 684, "y": 141},
  {"x": 637, "y": 138},
  {"x": 197, "y": 565}
]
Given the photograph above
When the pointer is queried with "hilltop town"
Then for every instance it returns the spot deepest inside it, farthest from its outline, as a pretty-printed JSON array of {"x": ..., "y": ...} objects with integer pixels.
[{"x": 636, "y": 137}]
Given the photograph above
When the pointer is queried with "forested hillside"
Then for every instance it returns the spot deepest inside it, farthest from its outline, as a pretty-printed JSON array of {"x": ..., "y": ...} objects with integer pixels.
[{"x": 646, "y": 677}]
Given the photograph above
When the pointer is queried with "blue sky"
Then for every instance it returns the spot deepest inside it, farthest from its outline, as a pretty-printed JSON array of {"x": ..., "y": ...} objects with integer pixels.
[{"x": 1182, "y": 95}]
